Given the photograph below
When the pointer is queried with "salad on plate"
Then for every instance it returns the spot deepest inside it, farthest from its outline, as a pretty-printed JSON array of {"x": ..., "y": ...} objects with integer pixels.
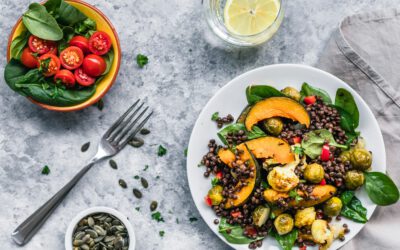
[{"x": 289, "y": 168}]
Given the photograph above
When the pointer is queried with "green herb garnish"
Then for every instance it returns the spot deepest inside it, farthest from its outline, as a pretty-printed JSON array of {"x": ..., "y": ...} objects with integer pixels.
[
  {"x": 215, "y": 116},
  {"x": 136, "y": 177},
  {"x": 141, "y": 60},
  {"x": 185, "y": 152},
  {"x": 161, "y": 233},
  {"x": 293, "y": 194},
  {"x": 46, "y": 170},
  {"x": 146, "y": 167},
  {"x": 157, "y": 217},
  {"x": 137, "y": 208},
  {"x": 161, "y": 150},
  {"x": 214, "y": 181}
]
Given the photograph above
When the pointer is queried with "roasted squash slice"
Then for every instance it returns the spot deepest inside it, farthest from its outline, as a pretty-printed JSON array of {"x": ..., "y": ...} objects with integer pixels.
[
  {"x": 277, "y": 107},
  {"x": 245, "y": 192},
  {"x": 264, "y": 147},
  {"x": 321, "y": 194}
]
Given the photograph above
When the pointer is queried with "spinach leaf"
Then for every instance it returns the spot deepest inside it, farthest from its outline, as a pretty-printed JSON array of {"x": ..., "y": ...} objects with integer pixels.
[
  {"x": 109, "y": 58},
  {"x": 234, "y": 128},
  {"x": 68, "y": 34},
  {"x": 346, "y": 197},
  {"x": 257, "y": 93},
  {"x": 381, "y": 189},
  {"x": 346, "y": 120},
  {"x": 314, "y": 140},
  {"x": 353, "y": 215},
  {"x": 345, "y": 100},
  {"x": 53, "y": 6},
  {"x": 86, "y": 27},
  {"x": 68, "y": 15},
  {"x": 307, "y": 90},
  {"x": 352, "y": 207},
  {"x": 18, "y": 44},
  {"x": 236, "y": 235},
  {"x": 14, "y": 72},
  {"x": 286, "y": 241},
  {"x": 41, "y": 24}
]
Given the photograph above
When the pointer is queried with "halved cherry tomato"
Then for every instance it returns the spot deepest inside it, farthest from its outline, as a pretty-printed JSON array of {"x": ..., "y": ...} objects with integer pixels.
[
  {"x": 81, "y": 42},
  {"x": 82, "y": 78},
  {"x": 71, "y": 57},
  {"x": 49, "y": 67},
  {"x": 66, "y": 77},
  {"x": 99, "y": 43},
  {"x": 310, "y": 99},
  {"x": 94, "y": 65},
  {"x": 40, "y": 46},
  {"x": 250, "y": 231},
  {"x": 296, "y": 139},
  {"x": 53, "y": 50},
  {"x": 28, "y": 59}
]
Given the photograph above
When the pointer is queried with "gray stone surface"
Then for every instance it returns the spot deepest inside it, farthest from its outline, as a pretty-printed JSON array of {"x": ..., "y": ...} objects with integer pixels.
[{"x": 184, "y": 71}]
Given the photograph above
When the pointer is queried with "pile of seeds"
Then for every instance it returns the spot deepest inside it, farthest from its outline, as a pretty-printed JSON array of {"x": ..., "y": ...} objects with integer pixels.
[
  {"x": 235, "y": 138},
  {"x": 224, "y": 120},
  {"x": 211, "y": 160},
  {"x": 100, "y": 231}
]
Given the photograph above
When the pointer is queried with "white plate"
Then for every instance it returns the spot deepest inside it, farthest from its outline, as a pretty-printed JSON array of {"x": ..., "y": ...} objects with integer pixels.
[{"x": 231, "y": 99}]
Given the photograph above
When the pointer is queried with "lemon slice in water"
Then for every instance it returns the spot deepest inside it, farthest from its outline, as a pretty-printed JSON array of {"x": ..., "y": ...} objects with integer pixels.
[{"x": 250, "y": 17}]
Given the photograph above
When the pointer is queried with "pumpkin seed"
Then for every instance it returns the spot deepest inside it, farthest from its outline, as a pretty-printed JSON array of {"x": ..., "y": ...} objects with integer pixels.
[
  {"x": 113, "y": 164},
  {"x": 92, "y": 233},
  {"x": 109, "y": 238},
  {"x": 144, "y": 182},
  {"x": 100, "y": 104},
  {"x": 99, "y": 230},
  {"x": 86, "y": 238},
  {"x": 136, "y": 142},
  {"x": 137, "y": 193},
  {"x": 85, "y": 147},
  {"x": 77, "y": 243},
  {"x": 90, "y": 222},
  {"x": 144, "y": 131},
  {"x": 153, "y": 205},
  {"x": 85, "y": 247},
  {"x": 122, "y": 183},
  {"x": 79, "y": 235}
]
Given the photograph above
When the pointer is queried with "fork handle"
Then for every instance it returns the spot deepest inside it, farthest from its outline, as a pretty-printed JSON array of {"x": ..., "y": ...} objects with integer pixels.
[{"x": 25, "y": 231}]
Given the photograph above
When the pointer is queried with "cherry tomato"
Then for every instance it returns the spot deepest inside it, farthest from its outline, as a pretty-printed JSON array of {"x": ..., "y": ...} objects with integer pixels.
[
  {"x": 53, "y": 51},
  {"x": 94, "y": 65},
  {"x": 310, "y": 99},
  {"x": 66, "y": 77},
  {"x": 208, "y": 201},
  {"x": 81, "y": 42},
  {"x": 49, "y": 67},
  {"x": 218, "y": 175},
  {"x": 28, "y": 59},
  {"x": 71, "y": 57},
  {"x": 82, "y": 78},
  {"x": 99, "y": 43},
  {"x": 296, "y": 139},
  {"x": 40, "y": 46}
]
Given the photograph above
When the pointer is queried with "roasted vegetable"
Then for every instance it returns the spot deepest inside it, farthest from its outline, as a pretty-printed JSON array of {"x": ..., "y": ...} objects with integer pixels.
[
  {"x": 215, "y": 195},
  {"x": 273, "y": 125},
  {"x": 277, "y": 107},
  {"x": 260, "y": 215},
  {"x": 244, "y": 192},
  {"x": 321, "y": 233},
  {"x": 291, "y": 93},
  {"x": 333, "y": 206},
  {"x": 354, "y": 179},
  {"x": 304, "y": 217},
  {"x": 345, "y": 156},
  {"x": 284, "y": 179},
  {"x": 320, "y": 194},
  {"x": 360, "y": 159},
  {"x": 262, "y": 148},
  {"x": 314, "y": 173},
  {"x": 283, "y": 224}
]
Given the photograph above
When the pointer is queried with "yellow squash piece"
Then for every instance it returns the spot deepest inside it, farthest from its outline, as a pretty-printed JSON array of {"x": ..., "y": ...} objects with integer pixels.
[
  {"x": 263, "y": 147},
  {"x": 320, "y": 193},
  {"x": 277, "y": 107}
]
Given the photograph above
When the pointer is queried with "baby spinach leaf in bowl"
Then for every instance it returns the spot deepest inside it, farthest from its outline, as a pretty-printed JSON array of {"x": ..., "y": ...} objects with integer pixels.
[
  {"x": 314, "y": 140},
  {"x": 41, "y": 24},
  {"x": 68, "y": 15},
  {"x": 286, "y": 241},
  {"x": 352, "y": 207},
  {"x": 381, "y": 189},
  {"x": 18, "y": 44}
]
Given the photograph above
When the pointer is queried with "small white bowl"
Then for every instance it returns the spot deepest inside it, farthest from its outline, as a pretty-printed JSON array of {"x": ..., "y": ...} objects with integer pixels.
[{"x": 95, "y": 210}]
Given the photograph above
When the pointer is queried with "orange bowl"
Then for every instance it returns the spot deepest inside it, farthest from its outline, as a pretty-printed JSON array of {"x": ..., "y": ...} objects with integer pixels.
[{"x": 103, "y": 24}]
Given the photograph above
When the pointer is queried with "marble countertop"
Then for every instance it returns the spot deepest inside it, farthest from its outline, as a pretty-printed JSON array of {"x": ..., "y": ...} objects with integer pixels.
[{"x": 186, "y": 67}]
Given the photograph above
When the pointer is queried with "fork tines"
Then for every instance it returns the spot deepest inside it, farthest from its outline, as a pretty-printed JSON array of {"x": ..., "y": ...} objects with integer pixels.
[{"x": 128, "y": 125}]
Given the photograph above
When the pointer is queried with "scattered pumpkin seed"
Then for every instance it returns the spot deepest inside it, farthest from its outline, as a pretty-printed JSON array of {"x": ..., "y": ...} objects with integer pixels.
[
  {"x": 100, "y": 104},
  {"x": 137, "y": 193},
  {"x": 85, "y": 147},
  {"x": 113, "y": 164},
  {"x": 136, "y": 142},
  {"x": 153, "y": 205},
  {"x": 122, "y": 183},
  {"x": 144, "y": 182},
  {"x": 144, "y": 131}
]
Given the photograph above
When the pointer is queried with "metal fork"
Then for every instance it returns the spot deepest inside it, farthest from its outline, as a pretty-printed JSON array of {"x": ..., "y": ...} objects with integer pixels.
[{"x": 112, "y": 142}]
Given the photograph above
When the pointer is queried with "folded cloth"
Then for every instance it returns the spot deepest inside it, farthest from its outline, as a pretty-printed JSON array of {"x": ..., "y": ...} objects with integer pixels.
[{"x": 365, "y": 53}]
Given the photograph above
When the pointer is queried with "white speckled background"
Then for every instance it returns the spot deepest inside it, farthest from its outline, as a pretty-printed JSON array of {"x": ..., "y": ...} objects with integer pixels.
[{"x": 184, "y": 71}]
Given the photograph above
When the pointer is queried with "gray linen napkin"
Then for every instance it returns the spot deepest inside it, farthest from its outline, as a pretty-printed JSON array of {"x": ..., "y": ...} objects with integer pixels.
[{"x": 365, "y": 53}]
